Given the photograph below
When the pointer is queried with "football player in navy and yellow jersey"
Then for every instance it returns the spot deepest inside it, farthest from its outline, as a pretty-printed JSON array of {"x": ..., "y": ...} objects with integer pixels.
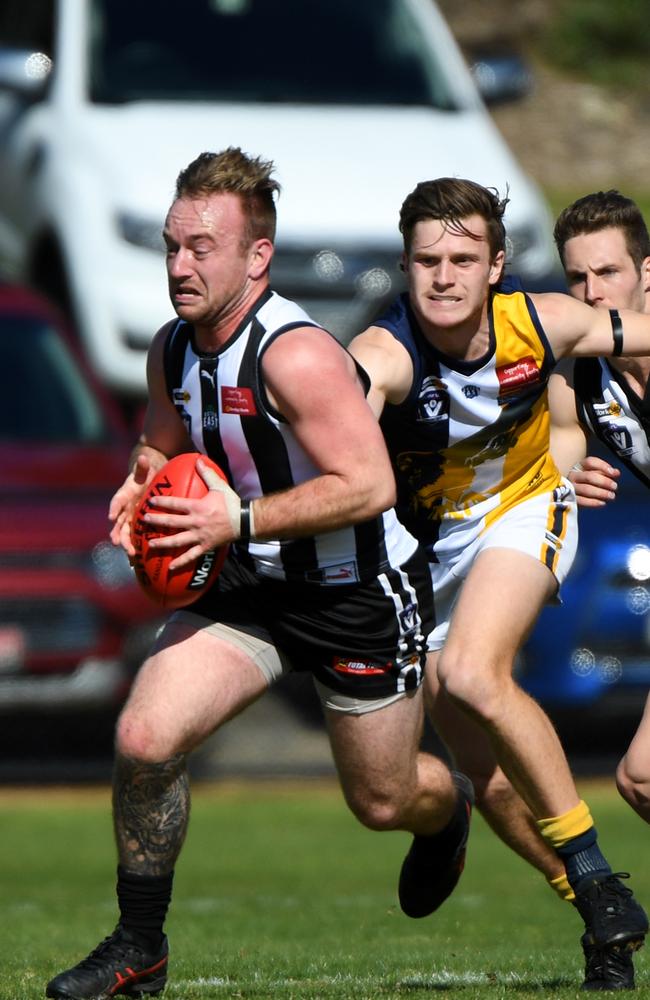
[{"x": 459, "y": 368}]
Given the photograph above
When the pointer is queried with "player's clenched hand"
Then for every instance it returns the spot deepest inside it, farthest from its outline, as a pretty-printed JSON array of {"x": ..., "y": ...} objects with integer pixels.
[
  {"x": 594, "y": 481},
  {"x": 126, "y": 499},
  {"x": 199, "y": 525}
]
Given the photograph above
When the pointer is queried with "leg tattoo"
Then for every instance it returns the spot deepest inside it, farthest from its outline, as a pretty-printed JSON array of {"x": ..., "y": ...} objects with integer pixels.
[{"x": 151, "y": 807}]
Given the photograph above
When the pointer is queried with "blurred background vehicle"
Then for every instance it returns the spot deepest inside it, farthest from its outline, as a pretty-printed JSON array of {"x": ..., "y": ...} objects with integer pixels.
[
  {"x": 73, "y": 623},
  {"x": 101, "y": 103}
]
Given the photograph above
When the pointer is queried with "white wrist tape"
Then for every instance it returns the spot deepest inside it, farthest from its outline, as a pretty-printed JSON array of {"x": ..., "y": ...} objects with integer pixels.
[{"x": 233, "y": 504}]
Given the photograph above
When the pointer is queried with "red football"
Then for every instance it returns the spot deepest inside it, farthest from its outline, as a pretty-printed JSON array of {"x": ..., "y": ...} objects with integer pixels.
[{"x": 173, "y": 588}]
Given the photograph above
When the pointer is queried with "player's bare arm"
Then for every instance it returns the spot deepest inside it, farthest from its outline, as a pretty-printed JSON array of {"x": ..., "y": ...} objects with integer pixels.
[
  {"x": 388, "y": 365},
  {"x": 333, "y": 422},
  {"x": 578, "y": 330}
]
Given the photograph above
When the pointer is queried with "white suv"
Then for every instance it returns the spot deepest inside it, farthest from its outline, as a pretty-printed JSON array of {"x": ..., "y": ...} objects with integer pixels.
[{"x": 356, "y": 102}]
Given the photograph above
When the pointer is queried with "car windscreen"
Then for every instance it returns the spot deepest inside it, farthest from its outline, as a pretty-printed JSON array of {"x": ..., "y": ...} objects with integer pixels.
[
  {"x": 295, "y": 51},
  {"x": 44, "y": 396}
]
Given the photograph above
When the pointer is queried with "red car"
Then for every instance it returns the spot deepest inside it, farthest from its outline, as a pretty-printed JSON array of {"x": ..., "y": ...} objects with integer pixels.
[{"x": 74, "y": 624}]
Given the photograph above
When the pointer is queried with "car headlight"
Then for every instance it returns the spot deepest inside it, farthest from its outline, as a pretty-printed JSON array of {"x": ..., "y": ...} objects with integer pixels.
[
  {"x": 638, "y": 562},
  {"x": 140, "y": 232},
  {"x": 111, "y": 565}
]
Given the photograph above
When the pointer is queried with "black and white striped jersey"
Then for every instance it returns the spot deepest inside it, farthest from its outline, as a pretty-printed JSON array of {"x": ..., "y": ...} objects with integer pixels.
[
  {"x": 608, "y": 406},
  {"x": 222, "y": 401}
]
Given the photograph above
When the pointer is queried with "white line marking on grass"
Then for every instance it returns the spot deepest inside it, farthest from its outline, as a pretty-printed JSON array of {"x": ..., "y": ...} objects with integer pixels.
[{"x": 441, "y": 978}]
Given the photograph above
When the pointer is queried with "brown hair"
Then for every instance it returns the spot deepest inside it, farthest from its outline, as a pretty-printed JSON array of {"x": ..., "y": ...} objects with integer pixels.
[
  {"x": 604, "y": 210},
  {"x": 235, "y": 171},
  {"x": 450, "y": 200}
]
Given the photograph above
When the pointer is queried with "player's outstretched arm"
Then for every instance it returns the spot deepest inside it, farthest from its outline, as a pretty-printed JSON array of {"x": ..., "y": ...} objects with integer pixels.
[{"x": 578, "y": 330}]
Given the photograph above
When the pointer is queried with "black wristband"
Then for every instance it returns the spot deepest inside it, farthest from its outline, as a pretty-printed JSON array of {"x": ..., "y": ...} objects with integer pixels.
[
  {"x": 245, "y": 521},
  {"x": 617, "y": 332}
]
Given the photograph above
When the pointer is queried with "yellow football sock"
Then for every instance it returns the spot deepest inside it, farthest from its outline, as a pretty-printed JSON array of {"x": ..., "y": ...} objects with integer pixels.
[
  {"x": 557, "y": 830},
  {"x": 561, "y": 885}
]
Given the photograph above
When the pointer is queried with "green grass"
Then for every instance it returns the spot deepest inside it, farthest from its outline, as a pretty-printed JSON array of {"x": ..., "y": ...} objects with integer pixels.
[{"x": 280, "y": 893}]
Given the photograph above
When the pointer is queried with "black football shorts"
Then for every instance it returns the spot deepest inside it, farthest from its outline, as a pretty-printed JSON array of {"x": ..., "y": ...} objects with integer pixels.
[{"x": 364, "y": 640}]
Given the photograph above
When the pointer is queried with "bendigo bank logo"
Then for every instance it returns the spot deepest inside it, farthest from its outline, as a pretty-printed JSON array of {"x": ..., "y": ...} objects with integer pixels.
[{"x": 239, "y": 400}]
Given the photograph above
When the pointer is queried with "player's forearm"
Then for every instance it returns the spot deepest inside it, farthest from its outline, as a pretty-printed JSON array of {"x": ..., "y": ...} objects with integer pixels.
[
  {"x": 568, "y": 447},
  {"x": 319, "y": 505}
]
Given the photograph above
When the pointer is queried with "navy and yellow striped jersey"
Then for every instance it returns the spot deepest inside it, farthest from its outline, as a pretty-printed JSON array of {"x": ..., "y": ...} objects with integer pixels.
[{"x": 471, "y": 440}]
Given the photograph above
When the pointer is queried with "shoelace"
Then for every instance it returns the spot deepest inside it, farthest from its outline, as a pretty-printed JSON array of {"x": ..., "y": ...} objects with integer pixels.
[
  {"x": 111, "y": 945},
  {"x": 611, "y": 892}
]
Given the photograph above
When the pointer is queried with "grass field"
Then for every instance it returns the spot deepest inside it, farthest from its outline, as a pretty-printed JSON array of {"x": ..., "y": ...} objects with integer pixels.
[{"x": 280, "y": 893}]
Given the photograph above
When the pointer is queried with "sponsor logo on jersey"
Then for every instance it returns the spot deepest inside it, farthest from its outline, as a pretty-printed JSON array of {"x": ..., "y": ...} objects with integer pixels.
[
  {"x": 359, "y": 668},
  {"x": 181, "y": 397},
  {"x": 341, "y": 573},
  {"x": 239, "y": 400},
  {"x": 210, "y": 420},
  {"x": 610, "y": 409},
  {"x": 471, "y": 391},
  {"x": 517, "y": 374},
  {"x": 433, "y": 401},
  {"x": 562, "y": 493}
]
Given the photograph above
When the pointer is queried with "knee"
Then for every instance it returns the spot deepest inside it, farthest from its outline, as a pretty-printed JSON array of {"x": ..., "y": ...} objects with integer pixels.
[
  {"x": 479, "y": 688},
  {"x": 376, "y": 809},
  {"x": 138, "y": 738},
  {"x": 633, "y": 787}
]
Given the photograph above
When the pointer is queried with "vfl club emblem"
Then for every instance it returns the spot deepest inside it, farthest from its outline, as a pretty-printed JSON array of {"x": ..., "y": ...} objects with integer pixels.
[
  {"x": 471, "y": 391},
  {"x": 618, "y": 438},
  {"x": 433, "y": 401},
  {"x": 408, "y": 619}
]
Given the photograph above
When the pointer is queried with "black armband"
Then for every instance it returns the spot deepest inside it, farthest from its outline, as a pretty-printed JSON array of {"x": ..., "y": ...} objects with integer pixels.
[
  {"x": 245, "y": 530},
  {"x": 617, "y": 332}
]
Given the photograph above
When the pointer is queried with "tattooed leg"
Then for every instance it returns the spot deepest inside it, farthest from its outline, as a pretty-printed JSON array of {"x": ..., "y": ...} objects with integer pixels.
[{"x": 151, "y": 809}]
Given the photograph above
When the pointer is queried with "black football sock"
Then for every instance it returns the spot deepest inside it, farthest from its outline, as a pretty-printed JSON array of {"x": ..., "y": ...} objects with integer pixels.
[{"x": 144, "y": 901}]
